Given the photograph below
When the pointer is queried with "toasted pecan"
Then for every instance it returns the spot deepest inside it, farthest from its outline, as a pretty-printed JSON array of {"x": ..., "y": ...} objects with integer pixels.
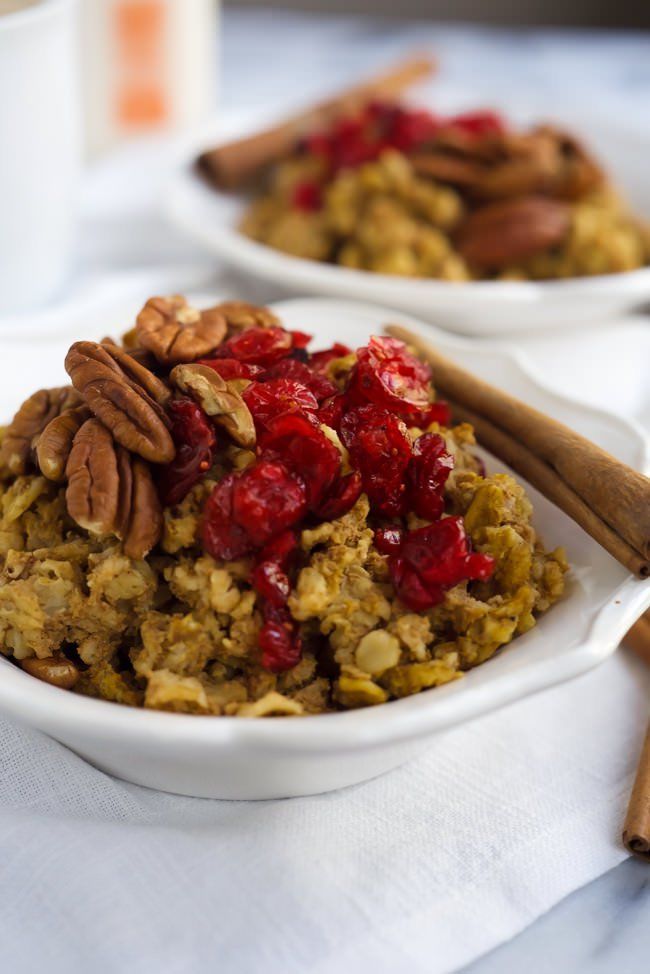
[
  {"x": 111, "y": 492},
  {"x": 220, "y": 399},
  {"x": 512, "y": 230},
  {"x": 56, "y": 670},
  {"x": 240, "y": 315},
  {"x": 125, "y": 396},
  {"x": 55, "y": 442},
  {"x": 30, "y": 421},
  {"x": 176, "y": 332}
]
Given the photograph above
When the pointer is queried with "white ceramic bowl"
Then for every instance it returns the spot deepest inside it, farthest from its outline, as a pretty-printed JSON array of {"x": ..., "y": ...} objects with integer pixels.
[
  {"x": 473, "y": 308},
  {"x": 221, "y": 757}
]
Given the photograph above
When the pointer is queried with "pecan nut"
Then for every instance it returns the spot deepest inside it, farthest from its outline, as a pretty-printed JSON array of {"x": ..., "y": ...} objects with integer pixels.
[
  {"x": 512, "y": 230},
  {"x": 111, "y": 492},
  {"x": 176, "y": 332},
  {"x": 55, "y": 442},
  {"x": 30, "y": 421},
  {"x": 56, "y": 670},
  {"x": 240, "y": 315},
  {"x": 125, "y": 396},
  {"x": 219, "y": 399}
]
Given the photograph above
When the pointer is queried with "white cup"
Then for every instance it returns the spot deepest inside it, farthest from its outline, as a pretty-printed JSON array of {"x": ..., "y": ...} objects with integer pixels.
[{"x": 40, "y": 150}]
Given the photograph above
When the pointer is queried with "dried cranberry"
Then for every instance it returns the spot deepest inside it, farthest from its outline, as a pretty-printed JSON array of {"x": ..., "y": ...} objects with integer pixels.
[
  {"x": 257, "y": 346},
  {"x": 279, "y": 640},
  {"x": 426, "y": 476},
  {"x": 268, "y": 399},
  {"x": 307, "y": 196},
  {"x": 271, "y": 582},
  {"x": 230, "y": 368},
  {"x": 388, "y": 540},
  {"x": 434, "y": 559},
  {"x": 380, "y": 449},
  {"x": 267, "y": 499},
  {"x": 195, "y": 442},
  {"x": 331, "y": 411},
  {"x": 280, "y": 549},
  {"x": 305, "y": 449},
  {"x": 388, "y": 375},
  {"x": 299, "y": 339},
  {"x": 291, "y": 368},
  {"x": 341, "y": 497},
  {"x": 320, "y": 360},
  {"x": 479, "y": 123},
  {"x": 222, "y": 537},
  {"x": 438, "y": 412}
]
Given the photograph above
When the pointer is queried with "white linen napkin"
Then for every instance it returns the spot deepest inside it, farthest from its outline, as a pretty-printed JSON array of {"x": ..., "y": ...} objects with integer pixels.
[{"x": 421, "y": 870}]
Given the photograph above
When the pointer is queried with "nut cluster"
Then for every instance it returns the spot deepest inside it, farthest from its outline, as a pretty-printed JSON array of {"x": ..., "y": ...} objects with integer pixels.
[{"x": 102, "y": 435}]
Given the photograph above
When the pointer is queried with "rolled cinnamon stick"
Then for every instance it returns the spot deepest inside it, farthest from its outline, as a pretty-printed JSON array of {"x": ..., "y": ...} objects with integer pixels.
[
  {"x": 234, "y": 164},
  {"x": 638, "y": 638},
  {"x": 610, "y": 500},
  {"x": 636, "y": 831}
]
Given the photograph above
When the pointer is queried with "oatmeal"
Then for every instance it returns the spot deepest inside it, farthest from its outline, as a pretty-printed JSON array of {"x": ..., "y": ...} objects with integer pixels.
[
  {"x": 398, "y": 191},
  {"x": 257, "y": 531}
]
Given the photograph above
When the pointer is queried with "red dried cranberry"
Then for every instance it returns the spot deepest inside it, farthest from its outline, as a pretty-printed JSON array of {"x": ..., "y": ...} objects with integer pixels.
[
  {"x": 230, "y": 368},
  {"x": 434, "y": 559},
  {"x": 479, "y": 123},
  {"x": 195, "y": 442},
  {"x": 280, "y": 549},
  {"x": 331, "y": 411},
  {"x": 222, "y": 537},
  {"x": 279, "y": 640},
  {"x": 320, "y": 360},
  {"x": 267, "y": 499},
  {"x": 268, "y": 399},
  {"x": 300, "y": 339},
  {"x": 388, "y": 540},
  {"x": 291, "y": 368},
  {"x": 305, "y": 449},
  {"x": 438, "y": 412},
  {"x": 388, "y": 375},
  {"x": 341, "y": 497},
  {"x": 380, "y": 449},
  {"x": 257, "y": 346},
  {"x": 307, "y": 196},
  {"x": 426, "y": 476},
  {"x": 271, "y": 582}
]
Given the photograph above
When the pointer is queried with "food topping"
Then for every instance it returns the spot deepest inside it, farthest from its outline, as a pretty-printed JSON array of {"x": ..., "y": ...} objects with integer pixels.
[
  {"x": 30, "y": 421},
  {"x": 176, "y": 332}
]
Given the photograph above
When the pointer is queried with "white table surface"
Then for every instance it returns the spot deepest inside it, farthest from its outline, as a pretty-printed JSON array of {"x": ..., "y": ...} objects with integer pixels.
[{"x": 278, "y": 56}]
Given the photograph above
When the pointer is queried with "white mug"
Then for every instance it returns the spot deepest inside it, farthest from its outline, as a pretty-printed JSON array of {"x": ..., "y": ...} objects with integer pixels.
[{"x": 40, "y": 150}]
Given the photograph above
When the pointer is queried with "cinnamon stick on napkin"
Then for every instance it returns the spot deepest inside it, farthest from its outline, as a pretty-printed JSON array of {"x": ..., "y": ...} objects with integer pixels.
[
  {"x": 636, "y": 831},
  {"x": 608, "y": 499},
  {"x": 234, "y": 164}
]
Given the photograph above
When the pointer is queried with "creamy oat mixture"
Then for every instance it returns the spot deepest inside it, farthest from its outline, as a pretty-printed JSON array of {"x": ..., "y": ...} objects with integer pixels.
[{"x": 264, "y": 532}]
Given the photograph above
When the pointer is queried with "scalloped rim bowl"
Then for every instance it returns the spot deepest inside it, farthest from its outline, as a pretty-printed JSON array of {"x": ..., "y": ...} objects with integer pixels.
[{"x": 225, "y": 757}]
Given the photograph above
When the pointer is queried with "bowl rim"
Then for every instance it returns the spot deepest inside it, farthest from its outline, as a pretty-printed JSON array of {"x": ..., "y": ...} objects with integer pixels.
[{"x": 46, "y": 707}]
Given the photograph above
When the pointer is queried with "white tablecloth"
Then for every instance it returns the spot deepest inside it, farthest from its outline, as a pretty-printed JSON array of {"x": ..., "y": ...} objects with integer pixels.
[{"x": 421, "y": 870}]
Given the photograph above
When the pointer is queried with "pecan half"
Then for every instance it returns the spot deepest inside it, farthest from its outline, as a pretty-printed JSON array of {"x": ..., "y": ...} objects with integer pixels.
[
  {"x": 125, "y": 396},
  {"x": 57, "y": 670},
  {"x": 55, "y": 442},
  {"x": 175, "y": 332},
  {"x": 512, "y": 230},
  {"x": 219, "y": 399},
  {"x": 240, "y": 315},
  {"x": 111, "y": 492},
  {"x": 30, "y": 421}
]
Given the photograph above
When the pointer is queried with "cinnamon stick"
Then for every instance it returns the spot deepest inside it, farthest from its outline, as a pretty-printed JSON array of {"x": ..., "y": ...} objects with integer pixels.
[
  {"x": 234, "y": 164},
  {"x": 636, "y": 831},
  {"x": 608, "y": 499},
  {"x": 638, "y": 638}
]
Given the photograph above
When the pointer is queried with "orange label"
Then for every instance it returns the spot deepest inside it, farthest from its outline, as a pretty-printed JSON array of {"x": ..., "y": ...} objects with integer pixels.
[{"x": 140, "y": 33}]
